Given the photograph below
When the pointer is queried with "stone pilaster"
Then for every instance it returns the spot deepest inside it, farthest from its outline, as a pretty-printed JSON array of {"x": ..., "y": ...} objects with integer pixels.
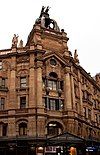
[
  {"x": 12, "y": 80},
  {"x": 11, "y": 127},
  {"x": 32, "y": 89},
  {"x": 67, "y": 90},
  {"x": 73, "y": 91},
  {"x": 39, "y": 84},
  {"x": 80, "y": 93}
]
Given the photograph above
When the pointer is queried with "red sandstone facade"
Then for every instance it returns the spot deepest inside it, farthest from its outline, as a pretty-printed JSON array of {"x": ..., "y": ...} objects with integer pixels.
[{"x": 44, "y": 91}]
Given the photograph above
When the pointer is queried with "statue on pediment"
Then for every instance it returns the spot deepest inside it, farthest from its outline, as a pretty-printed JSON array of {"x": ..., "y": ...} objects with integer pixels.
[
  {"x": 21, "y": 43},
  {"x": 15, "y": 40},
  {"x": 76, "y": 57}
]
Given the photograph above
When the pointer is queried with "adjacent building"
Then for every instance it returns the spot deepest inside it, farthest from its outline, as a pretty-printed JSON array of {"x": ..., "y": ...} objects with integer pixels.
[{"x": 45, "y": 94}]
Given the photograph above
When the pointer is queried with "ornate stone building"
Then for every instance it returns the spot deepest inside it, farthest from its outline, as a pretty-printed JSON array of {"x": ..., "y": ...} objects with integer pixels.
[{"x": 44, "y": 92}]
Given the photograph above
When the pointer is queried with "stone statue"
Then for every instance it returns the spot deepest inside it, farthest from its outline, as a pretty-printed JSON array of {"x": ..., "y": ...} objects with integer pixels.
[
  {"x": 42, "y": 11},
  {"x": 15, "y": 40},
  {"x": 43, "y": 21},
  {"x": 76, "y": 57},
  {"x": 21, "y": 43},
  {"x": 47, "y": 9}
]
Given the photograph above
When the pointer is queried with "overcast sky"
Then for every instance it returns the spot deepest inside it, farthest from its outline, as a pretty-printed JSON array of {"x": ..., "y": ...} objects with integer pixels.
[{"x": 79, "y": 18}]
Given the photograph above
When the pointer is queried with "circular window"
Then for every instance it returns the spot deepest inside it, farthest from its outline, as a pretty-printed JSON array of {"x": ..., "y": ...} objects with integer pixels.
[{"x": 53, "y": 62}]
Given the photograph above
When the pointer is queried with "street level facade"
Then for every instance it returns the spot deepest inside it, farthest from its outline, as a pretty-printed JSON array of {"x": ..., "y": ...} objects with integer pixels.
[{"x": 46, "y": 97}]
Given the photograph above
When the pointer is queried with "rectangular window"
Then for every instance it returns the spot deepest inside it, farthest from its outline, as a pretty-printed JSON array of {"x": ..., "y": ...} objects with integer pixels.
[
  {"x": 89, "y": 114},
  {"x": 2, "y": 82},
  {"x": 96, "y": 118},
  {"x": 23, "y": 82},
  {"x": 2, "y": 103},
  {"x": 4, "y": 130},
  {"x": 52, "y": 84},
  {"x": 94, "y": 103},
  {"x": 22, "y": 102},
  {"x": 84, "y": 111},
  {"x": 53, "y": 104}
]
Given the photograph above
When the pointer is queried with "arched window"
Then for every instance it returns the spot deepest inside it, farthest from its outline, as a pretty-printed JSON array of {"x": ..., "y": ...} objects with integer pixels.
[
  {"x": 54, "y": 128},
  {"x": 22, "y": 129}
]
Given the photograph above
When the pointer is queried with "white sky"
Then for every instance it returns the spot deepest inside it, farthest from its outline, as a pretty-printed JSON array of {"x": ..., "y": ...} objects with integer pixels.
[{"x": 79, "y": 18}]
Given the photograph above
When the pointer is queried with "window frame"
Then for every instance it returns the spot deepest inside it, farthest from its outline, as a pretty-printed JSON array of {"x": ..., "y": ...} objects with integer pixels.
[{"x": 22, "y": 104}]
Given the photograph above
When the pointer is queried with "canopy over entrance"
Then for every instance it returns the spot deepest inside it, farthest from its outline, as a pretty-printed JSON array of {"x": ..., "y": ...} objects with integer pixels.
[{"x": 65, "y": 138}]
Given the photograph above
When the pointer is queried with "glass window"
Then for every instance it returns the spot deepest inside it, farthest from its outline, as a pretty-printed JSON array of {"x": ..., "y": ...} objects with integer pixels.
[
  {"x": 2, "y": 103},
  {"x": 53, "y": 128},
  {"x": 96, "y": 118},
  {"x": 23, "y": 82},
  {"x": 84, "y": 111},
  {"x": 22, "y": 102},
  {"x": 89, "y": 114},
  {"x": 4, "y": 130},
  {"x": 52, "y": 103},
  {"x": 52, "y": 85},
  {"x": 22, "y": 129},
  {"x": 2, "y": 82},
  {"x": 0, "y": 64}
]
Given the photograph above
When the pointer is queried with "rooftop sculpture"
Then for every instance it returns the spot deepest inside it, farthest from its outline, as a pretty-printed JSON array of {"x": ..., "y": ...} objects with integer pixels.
[{"x": 46, "y": 21}]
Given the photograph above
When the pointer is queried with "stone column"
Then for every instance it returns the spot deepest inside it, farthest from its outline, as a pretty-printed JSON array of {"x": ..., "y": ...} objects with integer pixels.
[
  {"x": 32, "y": 88},
  {"x": 67, "y": 90}
]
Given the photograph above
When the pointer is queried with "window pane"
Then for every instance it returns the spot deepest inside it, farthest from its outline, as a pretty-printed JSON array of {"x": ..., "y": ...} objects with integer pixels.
[
  {"x": 4, "y": 130},
  {"x": 52, "y": 104},
  {"x": 23, "y": 81},
  {"x": 0, "y": 65},
  {"x": 22, "y": 102},
  {"x": 2, "y": 102},
  {"x": 22, "y": 129},
  {"x": 50, "y": 84},
  {"x": 54, "y": 85},
  {"x": 3, "y": 82}
]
